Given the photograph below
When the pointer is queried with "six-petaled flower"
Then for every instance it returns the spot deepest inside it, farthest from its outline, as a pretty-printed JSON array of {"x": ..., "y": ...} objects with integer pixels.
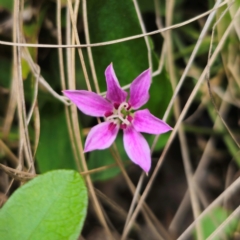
[{"x": 119, "y": 114}]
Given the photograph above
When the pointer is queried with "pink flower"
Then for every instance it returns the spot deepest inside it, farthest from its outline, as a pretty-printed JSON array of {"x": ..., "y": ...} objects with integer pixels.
[{"x": 119, "y": 114}]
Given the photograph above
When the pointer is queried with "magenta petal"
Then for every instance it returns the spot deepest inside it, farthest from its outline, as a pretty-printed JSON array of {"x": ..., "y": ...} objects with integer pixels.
[
  {"x": 144, "y": 121},
  {"x": 139, "y": 90},
  {"x": 101, "y": 136},
  {"x": 137, "y": 148},
  {"x": 114, "y": 91},
  {"x": 89, "y": 103}
]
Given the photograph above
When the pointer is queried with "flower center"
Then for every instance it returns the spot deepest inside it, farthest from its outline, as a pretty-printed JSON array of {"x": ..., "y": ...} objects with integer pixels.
[{"x": 121, "y": 115}]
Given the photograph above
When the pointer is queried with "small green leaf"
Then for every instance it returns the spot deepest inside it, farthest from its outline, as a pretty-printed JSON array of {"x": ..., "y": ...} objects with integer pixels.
[
  {"x": 210, "y": 223},
  {"x": 51, "y": 206}
]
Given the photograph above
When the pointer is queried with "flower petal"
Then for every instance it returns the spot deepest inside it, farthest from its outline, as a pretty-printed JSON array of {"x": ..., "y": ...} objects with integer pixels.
[
  {"x": 101, "y": 136},
  {"x": 114, "y": 92},
  {"x": 144, "y": 121},
  {"x": 89, "y": 103},
  {"x": 139, "y": 90},
  {"x": 137, "y": 148}
]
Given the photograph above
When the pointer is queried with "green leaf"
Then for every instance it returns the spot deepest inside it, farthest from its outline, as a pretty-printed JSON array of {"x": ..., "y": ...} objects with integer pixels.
[
  {"x": 54, "y": 150},
  {"x": 210, "y": 223},
  {"x": 7, "y": 4},
  {"x": 51, "y": 206},
  {"x": 109, "y": 20}
]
